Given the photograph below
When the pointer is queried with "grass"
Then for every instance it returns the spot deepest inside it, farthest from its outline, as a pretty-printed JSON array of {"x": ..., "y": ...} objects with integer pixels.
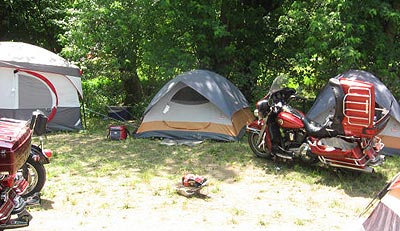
[
  {"x": 91, "y": 154},
  {"x": 87, "y": 163}
]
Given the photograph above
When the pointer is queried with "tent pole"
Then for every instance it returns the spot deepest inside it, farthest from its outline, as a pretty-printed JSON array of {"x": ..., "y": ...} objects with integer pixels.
[{"x": 84, "y": 115}]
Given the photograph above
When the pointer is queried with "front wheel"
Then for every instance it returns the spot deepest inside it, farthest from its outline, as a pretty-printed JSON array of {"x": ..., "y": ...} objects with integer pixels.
[
  {"x": 259, "y": 152},
  {"x": 35, "y": 173}
]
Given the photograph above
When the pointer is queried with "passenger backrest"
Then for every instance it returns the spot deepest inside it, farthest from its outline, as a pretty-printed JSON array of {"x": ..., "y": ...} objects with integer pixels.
[{"x": 358, "y": 107}]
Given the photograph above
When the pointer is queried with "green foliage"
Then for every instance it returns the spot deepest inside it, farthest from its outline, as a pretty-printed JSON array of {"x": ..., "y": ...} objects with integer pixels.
[
  {"x": 95, "y": 99},
  {"x": 129, "y": 49},
  {"x": 36, "y": 22},
  {"x": 321, "y": 39}
]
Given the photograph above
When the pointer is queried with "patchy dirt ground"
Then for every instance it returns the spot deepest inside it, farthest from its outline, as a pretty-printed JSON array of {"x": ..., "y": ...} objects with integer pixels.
[{"x": 245, "y": 198}]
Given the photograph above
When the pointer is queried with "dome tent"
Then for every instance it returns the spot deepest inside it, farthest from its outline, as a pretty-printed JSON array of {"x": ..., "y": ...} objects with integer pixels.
[
  {"x": 196, "y": 105},
  {"x": 34, "y": 78}
]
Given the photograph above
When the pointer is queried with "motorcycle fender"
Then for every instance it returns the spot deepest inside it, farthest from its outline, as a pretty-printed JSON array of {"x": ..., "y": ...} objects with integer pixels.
[
  {"x": 37, "y": 154},
  {"x": 255, "y": 125}
]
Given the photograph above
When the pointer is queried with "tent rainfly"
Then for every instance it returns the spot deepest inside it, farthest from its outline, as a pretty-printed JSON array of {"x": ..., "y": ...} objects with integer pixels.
[
  {"x": 196, "y": 105},
  {"x": 325, "y": 104},
  {"x": 34, "y": 78}
]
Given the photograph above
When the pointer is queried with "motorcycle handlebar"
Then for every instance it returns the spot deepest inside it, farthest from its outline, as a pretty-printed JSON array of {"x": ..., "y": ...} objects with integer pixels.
[{"x": 298, "y": 97}]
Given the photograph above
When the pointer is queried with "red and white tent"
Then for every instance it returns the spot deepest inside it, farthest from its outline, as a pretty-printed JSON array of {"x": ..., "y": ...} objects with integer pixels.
[
  {"x": 34, "y": 78},
  {"x": 386, "y": 214}
]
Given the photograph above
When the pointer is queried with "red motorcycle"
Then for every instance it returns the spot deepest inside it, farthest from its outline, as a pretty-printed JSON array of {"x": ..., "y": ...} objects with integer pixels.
[
  {"x": 33, "y": 170},
  {"x": 345, "y": 135},
  {"x": 15, "y": 146},
  {"x": 21, "y": 168}
]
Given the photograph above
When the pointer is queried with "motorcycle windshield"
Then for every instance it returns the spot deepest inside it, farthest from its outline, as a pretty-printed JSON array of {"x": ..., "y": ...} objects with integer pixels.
[
  {"x": 324, "y": 104},
  {"x": 281, "y": 82}
]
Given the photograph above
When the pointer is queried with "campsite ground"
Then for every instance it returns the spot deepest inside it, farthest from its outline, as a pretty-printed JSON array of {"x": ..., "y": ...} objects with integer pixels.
[{"x": 96, "y": 184}]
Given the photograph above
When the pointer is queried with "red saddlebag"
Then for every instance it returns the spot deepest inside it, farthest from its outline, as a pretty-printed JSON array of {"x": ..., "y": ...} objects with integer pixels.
[{"x": 15, "y": 144}]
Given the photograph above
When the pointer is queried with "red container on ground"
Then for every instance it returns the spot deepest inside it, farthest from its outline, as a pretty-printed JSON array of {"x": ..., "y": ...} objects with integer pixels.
[{"x": 118, "y": 132}]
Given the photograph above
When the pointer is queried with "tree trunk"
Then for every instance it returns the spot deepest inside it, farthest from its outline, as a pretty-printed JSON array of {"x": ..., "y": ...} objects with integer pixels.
[
  {"x": 132, "y": 86},
  {"x": 390, "y": 27}
]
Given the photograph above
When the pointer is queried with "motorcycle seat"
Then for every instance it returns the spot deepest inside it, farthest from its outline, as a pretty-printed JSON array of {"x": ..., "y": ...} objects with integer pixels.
[
  {"x": 317, "y": 130},
  {"x": 333, "y": 126}
]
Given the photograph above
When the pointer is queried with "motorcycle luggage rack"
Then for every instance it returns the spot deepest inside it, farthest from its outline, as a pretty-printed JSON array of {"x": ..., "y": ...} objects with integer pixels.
[{"x": 357, "y": 106}]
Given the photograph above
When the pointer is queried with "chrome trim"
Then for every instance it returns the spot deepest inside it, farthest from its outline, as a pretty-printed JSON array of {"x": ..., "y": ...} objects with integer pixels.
[
  {"x": 254, "y": 130},
  {"x": 364, "y": 168},
  {"x": 366, "y": 110}
]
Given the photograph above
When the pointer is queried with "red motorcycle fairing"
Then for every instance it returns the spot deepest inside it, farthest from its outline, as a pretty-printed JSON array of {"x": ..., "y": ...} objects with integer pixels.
[
  {"x": 15, "y": 146},
  {"x": 288, "y": 120}
]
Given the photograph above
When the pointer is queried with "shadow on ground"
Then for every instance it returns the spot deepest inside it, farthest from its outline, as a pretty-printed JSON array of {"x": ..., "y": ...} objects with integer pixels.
[{"x": 94, "y": 155}]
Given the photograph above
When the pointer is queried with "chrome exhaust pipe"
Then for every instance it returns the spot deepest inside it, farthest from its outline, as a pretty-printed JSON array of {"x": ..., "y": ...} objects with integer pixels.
[
  {"x": 361, "y": 168},
  {"x": 366, "y": 169}
]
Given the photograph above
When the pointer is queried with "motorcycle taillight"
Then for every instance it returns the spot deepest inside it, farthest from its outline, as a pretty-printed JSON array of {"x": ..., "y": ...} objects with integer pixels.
[
  {"x": 370, "y": 131},
  {"x": 48, "y": 153}
]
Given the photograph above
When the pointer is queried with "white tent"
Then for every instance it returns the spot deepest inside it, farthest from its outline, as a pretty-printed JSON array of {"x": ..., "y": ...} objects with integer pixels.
[{"x": 34, "y": 78}]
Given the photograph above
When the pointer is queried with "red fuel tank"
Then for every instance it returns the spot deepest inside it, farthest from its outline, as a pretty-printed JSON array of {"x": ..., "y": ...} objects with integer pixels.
[{"x": 288, "y": 120}]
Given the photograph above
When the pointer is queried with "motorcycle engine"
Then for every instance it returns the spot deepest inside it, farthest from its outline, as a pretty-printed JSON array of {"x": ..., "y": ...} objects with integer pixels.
[{"x": 293, "y": 137}]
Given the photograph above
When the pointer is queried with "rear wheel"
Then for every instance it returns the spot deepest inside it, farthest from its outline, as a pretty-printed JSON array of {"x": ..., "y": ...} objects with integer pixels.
[
  {"x": 35, "y": 173},
  {"x": 259, "y": 152}
]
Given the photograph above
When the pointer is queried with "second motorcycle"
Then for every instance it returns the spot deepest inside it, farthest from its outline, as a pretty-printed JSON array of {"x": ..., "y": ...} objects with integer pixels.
[{"x": 348, "y": 138}]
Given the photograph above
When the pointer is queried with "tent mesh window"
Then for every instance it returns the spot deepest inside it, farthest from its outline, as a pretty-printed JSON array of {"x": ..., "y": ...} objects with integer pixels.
[
  {"x": 33, "y": 94},
  {"x": 188, "y": 96}
]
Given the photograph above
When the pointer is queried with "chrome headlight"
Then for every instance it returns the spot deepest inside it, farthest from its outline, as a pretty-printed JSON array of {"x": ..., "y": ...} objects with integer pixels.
[
  {"x": 255, "y": 112},
  {"x": 258, "y": 114}
]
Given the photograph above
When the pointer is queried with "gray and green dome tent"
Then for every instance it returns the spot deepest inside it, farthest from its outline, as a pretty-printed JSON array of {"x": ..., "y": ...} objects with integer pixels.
[{"x": 196, "y": 105}]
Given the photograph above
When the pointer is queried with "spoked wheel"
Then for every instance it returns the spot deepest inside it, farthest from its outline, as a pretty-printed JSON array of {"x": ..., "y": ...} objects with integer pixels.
[
  {"x": 259, "y": 152},
  {"x": 35, "y": 173}
]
